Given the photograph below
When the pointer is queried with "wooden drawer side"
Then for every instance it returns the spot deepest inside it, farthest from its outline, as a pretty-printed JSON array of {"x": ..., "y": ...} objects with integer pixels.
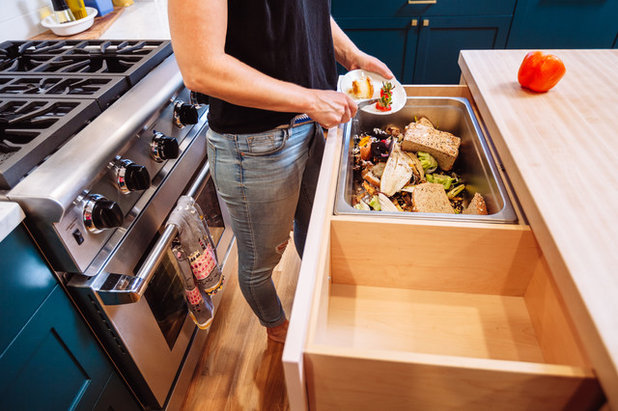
[{"x": 553, "y": 327}]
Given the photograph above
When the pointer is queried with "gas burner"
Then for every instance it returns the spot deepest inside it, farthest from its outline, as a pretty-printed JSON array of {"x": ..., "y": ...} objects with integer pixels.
[
  {"x": 92, "y": 63},
  {"x": 114, "y": 48},
  {"x": 27, "y": 56},
  {"x": 104, "y": 89},
  {"x": 30, "y": 129}
]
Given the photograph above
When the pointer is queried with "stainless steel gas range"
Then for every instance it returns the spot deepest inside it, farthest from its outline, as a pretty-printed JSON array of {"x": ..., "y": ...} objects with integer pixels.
[{"x": 98, "y": 140}]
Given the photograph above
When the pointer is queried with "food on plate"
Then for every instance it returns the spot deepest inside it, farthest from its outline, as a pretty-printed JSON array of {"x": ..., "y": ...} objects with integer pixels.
[
  {"x": 540, "y": 71},
  {"x": 442, "y": 145},
  {"x": 386, "y": 97},
  {"x": 476, "y": 206},
  {"x": 431, "y": 198},
  {"x": 387, "y": 178},
  {"x": 361, "y": 88}
]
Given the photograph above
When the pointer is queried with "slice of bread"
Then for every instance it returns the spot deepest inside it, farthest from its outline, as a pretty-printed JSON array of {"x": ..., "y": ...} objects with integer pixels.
[
  {"x": 476, "y": 206},
  {"x": 425, "y": 121},
  {"x": 442, "y": 145},
  {"x": 431, "y": 198}
]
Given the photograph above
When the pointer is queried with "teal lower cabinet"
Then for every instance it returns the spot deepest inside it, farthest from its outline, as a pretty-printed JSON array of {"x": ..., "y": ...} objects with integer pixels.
[
  {"x": 386, "y": 38},
  {"x": 571, "y": 24},
  {"x": 53, "y": 363},
  {"x": 49, "y": 359},
  {"x": 441, "y": 38},
  {"x": 116, "y": 396}
]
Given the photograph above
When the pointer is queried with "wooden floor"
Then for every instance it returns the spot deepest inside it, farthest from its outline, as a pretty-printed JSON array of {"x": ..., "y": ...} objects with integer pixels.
[{"x": 240, "y": 369}]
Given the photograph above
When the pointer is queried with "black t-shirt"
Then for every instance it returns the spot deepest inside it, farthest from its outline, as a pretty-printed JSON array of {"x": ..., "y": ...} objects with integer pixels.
[{"x": 290, "y": 40}]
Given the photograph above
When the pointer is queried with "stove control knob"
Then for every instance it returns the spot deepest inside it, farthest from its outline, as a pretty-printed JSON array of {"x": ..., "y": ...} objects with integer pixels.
[
  {"x": 101, "y": 213},
  {"x": 131, "y": 176},
  {"x": 163, "y": 147},
  {"x": 185, "y": 114}
]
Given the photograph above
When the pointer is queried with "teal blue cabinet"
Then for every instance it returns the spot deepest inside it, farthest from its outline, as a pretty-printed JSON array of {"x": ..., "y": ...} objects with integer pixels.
[
  {"x": 420, "y": 40},
  {"x": 555, "y": 24},
  {"x": 387, "y": 38},
  {"x": 440, "y": 40},
  {"x": 116, "y": 397},
  {"x": 25, "y": 282},
  {"x": 49, "y": 360}
]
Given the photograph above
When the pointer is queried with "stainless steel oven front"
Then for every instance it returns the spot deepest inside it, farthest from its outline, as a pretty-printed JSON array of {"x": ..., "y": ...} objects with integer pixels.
[{"x": 132, "y": 294}]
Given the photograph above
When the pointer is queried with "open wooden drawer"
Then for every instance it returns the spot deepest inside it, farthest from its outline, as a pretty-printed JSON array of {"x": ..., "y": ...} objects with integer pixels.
[
  {"x": 432, "y": 316},
  {"x": 411, "y": 314}
]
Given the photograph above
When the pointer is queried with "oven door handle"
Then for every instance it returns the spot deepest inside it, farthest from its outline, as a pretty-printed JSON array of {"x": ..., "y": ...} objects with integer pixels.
[{"x": 124, "y": 289}]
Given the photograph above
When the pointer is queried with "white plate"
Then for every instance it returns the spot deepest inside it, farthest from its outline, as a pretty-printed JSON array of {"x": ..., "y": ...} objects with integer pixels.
[
  {"x": 399, "y": 94},
  {"x": 72, "y": 27}
]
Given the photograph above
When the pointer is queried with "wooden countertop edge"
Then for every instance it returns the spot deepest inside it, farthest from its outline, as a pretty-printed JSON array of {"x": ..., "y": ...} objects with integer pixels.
[{"x": 604, "y": 365}]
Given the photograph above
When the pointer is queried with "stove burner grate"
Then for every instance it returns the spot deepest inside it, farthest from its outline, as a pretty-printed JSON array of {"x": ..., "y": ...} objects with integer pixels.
[
  {"x": 30, "y": 129},
  {"x": 104, "y": 89},
  {"x": 133, "y": 59}
]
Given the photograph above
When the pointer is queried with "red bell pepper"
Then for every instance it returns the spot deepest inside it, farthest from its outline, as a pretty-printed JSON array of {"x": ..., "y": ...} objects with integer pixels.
[{"x": 540, "y": 72}]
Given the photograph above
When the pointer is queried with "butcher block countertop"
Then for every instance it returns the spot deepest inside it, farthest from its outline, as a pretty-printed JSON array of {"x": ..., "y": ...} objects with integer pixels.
[{"x": 560, "y": 151}]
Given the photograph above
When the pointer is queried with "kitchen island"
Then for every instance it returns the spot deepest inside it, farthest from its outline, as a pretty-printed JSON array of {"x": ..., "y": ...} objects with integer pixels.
[
  {"x": 560, "y": 151},
  {"x": 553, "y": 148}
]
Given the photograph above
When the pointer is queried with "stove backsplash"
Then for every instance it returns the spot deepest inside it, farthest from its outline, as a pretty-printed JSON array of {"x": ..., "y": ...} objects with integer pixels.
[{"x": 22, "y": 19}]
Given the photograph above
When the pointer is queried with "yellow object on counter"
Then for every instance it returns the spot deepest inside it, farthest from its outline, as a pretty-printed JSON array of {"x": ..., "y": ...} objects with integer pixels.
[
  {"x": 78, "y": 8},
  {"x": 44, "y": 12},
  {"x": 122, "y": 3}
]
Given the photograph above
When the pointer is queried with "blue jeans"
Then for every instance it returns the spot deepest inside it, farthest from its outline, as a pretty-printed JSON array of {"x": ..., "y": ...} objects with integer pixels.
[{"x": 267, "y": 180}]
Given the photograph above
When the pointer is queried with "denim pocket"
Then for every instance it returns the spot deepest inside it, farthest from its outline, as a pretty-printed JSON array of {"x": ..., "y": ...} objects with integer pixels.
[{"x": 265, "y": 143}]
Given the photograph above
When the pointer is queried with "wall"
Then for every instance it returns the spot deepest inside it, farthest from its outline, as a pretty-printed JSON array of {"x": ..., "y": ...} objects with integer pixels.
[{"x": 20, "y": 19}]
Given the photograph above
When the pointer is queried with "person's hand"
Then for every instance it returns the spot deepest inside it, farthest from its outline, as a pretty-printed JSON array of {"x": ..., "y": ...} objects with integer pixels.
[
  {"x": 366, "y": 62},
  {"x": 331, "y": 108}
]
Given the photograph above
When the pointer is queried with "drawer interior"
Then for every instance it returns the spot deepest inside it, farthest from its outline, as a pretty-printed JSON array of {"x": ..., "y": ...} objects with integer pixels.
[{"x": 466, "y": 290}]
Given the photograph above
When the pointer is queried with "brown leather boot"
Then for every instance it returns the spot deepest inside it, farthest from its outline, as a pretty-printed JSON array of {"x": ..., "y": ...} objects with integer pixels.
[{"x": 278, "y": 333}]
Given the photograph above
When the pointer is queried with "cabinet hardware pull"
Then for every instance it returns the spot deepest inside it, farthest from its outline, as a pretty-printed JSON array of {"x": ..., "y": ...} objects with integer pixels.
[
  {"x": 422, "y": 1},
  {"x": 425, "y": 22},
  {"x": 414, "y": 22}
]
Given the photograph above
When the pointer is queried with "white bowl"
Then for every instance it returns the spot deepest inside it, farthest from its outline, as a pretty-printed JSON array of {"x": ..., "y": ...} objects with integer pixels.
[{"x": 72, "y": 27}]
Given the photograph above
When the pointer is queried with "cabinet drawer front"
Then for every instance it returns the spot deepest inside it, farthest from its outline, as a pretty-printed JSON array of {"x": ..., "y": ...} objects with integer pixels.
[
  {"x": 392, "y": 8},
  {"x": 338, "y": 380}
]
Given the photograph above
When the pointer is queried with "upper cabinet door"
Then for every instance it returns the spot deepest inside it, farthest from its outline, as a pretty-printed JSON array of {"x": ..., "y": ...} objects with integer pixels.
[
  {"x": 384, "y": 38},
  {"x": 554, "y": 24},
  {"x": 441, "y": 39}
]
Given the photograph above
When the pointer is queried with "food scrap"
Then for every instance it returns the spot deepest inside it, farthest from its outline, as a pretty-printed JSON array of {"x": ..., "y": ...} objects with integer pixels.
[
  {"x": 361, "y": 89},
  {"x": 386, "y": 97},
  {"x": 390, "y": 175}
]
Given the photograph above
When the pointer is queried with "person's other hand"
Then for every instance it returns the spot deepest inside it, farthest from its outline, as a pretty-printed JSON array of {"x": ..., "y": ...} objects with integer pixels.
[
  {"x": 366, "y": 62},
  {"x": 331, "y": 108}
]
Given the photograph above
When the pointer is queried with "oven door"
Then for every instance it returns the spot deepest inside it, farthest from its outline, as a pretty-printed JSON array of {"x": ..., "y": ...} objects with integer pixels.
[{"x": 136, "y": 302}]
